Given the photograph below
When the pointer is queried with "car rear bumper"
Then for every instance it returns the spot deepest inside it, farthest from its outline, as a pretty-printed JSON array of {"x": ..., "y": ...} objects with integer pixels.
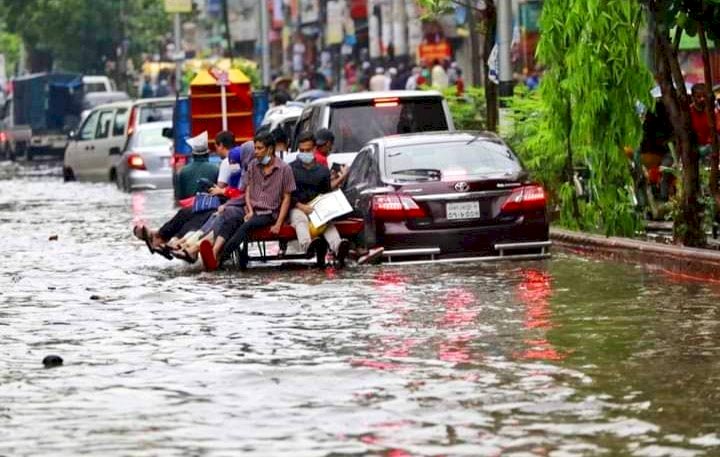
[
  {"x": 520, "y": 239},
  {"x": 145, "y": 180}
]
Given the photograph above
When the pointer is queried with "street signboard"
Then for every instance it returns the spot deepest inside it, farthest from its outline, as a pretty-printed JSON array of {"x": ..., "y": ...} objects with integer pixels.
[{"x": 178, "y": 6}]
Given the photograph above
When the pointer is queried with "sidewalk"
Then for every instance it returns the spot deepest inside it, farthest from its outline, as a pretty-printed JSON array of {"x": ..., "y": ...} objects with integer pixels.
[{"x": 701, "y": 264}]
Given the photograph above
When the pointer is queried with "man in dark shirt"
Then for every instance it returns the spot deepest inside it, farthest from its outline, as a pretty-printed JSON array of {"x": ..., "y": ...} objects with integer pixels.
[
  {"x": 199, "y": 168},
  {"x": 311, "y": 180},
  {"x": 269, "y": 185}
]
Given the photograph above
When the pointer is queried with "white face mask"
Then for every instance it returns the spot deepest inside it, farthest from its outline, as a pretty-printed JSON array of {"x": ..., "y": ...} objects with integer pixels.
[{"x": 234, "y": 166}]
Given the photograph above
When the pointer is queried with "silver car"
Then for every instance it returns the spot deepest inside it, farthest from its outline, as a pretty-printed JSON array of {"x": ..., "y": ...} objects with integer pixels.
[{"x": 145, "y": 163}]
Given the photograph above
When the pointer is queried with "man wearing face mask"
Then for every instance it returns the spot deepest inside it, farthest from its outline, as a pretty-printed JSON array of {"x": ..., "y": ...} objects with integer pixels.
[
  {"x": 311, "y": 180},
  {"x": 269, "y": 183}
]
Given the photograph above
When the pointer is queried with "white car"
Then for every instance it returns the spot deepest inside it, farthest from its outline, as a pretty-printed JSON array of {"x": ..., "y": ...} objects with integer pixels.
[
  {"x": 145, "y": 163},
  {"x": 94, "y": 150},
  {"x": 92, "y": 83}
]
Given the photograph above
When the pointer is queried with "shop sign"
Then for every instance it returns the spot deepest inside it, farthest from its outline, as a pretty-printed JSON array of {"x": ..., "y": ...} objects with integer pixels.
[{"x": 432, "y": 51}]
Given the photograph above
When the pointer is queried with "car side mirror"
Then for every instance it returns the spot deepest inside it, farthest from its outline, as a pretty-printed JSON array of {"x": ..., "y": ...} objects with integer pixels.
[
  {"x": 72, "y": 135},
  {"x": 115, "y": 151},
  {"x": 167, "y": 132}
]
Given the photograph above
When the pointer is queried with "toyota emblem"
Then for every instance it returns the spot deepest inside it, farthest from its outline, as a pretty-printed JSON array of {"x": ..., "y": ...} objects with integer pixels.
[{"x": 462, "y": 186}]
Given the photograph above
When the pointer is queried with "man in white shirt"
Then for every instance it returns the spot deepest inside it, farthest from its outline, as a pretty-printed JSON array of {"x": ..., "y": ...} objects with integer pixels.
[
  {"x": 379, "y": 81},
  {"x": 224, "y": 141}
]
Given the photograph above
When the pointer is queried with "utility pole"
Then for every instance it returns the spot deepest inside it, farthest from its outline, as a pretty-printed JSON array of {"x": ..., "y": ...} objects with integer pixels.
[
  {"x": 179, "y": 56},
  {"x": 475, "y": 64},
  {"x": 505, "y": 26},
  {"x": 265, "y": 51}
]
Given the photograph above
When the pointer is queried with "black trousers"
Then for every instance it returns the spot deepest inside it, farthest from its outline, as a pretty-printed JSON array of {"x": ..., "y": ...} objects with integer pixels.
[
  {"x": 241, "y": 233},
  {"x": 182, "y": 222}
]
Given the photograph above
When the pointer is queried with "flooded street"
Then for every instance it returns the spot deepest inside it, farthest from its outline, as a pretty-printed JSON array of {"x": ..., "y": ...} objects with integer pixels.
[{"x": 565, "y": 357}]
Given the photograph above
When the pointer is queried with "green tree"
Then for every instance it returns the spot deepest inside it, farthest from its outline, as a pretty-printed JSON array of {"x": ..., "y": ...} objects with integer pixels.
[
  {"x": 80, "y": 35},
  {"x": 588, "y": 101},
  {"x": 685, "y": 16}
]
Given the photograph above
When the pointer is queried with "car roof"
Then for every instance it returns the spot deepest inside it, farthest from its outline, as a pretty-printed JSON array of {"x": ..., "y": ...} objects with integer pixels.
[
  {"x": 409, "y": 139},
  {"x": 364, "y": 96},
  {"x": 140, "y": 102}
]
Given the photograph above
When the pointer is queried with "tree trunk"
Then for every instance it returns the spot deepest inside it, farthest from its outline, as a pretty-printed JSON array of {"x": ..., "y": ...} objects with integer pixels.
[
  {"x": 710, "y": 110},
  {"x": 491, "y": 89},
  {"x": 687, "y": 227}
]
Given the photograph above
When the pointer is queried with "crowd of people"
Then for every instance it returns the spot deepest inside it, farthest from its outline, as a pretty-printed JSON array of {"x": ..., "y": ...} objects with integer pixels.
[
  {"x": 255, "y": 189},
  {"x": 439, "y": 74}
]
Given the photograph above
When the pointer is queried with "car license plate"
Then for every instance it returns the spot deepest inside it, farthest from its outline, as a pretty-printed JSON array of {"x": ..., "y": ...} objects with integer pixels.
[{"x": 463, "y": 210}]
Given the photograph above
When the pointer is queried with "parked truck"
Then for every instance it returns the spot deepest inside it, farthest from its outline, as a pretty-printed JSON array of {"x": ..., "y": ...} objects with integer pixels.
[{"x": 44, "y": 107}]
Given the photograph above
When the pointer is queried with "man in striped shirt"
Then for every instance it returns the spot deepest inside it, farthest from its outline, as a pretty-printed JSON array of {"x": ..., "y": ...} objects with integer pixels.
[{"x": 269, "y": 184}]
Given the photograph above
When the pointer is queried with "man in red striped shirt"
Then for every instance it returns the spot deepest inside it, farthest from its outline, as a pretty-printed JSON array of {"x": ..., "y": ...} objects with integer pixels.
[{"x": 269, "y": 184}]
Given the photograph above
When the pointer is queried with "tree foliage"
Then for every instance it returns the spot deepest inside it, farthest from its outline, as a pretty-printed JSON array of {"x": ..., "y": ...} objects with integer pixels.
[
  {"x": 588, "y": 98},
  {"x": 693, "y": 17},
  {"x": 79, "y": 35}
]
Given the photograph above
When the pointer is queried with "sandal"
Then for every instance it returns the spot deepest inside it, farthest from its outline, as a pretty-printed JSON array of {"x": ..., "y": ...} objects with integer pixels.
[
  {"x": 144, "y": 235},
  {"x": 182, "y": 254}
]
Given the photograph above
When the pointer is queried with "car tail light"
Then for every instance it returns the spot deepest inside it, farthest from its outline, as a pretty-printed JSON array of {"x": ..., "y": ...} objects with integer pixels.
[
  {"x": 396, "y": 207},
  {"x": 131, "y": 121},
  {"x": 526, "y": 198},
  {"x": 381, "y": 102},
  {"x": 136, "y": 162},
  {"x": 3, "y": 137},
  {"x": 178, "y": 161}
]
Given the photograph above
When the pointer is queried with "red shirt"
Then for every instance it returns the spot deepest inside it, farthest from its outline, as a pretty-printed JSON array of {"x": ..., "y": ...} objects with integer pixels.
[
  {"x": 701, "y": 126},
  {"x": 320, "y": 158}
]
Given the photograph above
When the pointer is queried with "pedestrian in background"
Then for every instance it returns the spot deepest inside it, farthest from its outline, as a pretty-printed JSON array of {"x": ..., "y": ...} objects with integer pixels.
[
  {"x": 379, "y": 81},
  {"x": 147, "y": 90}
]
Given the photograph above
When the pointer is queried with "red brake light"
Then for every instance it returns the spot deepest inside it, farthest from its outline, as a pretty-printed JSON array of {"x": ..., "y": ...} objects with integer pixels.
[
  {"x": 396, "y": 207},
  {"x": 381, "y": 102},
  {"x": 526, "y": 198},
  {"x": 3, "y": 137},
  {"x": 136, "y": 162}
]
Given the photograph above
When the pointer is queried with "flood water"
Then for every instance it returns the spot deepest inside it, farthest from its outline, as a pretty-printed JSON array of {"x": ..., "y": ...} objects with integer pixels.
[{"x": 563, "y": 357}]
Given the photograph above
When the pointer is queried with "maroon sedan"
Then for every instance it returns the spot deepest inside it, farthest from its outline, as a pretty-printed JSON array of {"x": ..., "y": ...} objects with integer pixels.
[{"x": 447, "y": 195}]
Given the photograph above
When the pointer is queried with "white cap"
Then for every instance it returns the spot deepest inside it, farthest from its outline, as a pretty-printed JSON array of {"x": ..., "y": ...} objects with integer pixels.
[
  {"x": 379, "y": 70},
  {"x": 199, "y": 143}
]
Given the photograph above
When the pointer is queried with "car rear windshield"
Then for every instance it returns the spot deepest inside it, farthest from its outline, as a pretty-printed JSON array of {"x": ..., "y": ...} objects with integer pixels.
[
  {"x": 151, "y": 137},
  {"x": 155, "y": 113},
  {"x": 354, "y": 125},
  {"x": 450, "y": 161}
]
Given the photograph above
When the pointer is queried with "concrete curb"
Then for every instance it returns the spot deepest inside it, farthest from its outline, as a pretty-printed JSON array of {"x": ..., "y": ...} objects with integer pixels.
[{"x": 695, "y": 263}]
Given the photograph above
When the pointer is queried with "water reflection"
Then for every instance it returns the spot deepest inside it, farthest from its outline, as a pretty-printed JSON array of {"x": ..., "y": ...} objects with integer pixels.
[{"x": 534, "y": 292}]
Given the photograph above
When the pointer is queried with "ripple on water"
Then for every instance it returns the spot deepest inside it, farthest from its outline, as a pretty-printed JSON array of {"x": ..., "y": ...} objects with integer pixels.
[{"x": 568, "y": 357}]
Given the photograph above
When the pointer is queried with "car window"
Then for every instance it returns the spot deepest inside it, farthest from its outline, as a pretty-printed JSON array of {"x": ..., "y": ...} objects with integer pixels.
[
  {"x": 303, "y": 125},
  {"x": 95, "y": 87},
  {"x": 357, "y": 176},
  {"x": 356, "y": 124},
  {"x": 459, "y": 160},
  {"x": 87, "y": 132},
  {"x": 104, "y": 124},
  {"x": 155, "y": 113},
  {"x": 150, "y": 137},
  {"x": 120, "y": 121}
]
